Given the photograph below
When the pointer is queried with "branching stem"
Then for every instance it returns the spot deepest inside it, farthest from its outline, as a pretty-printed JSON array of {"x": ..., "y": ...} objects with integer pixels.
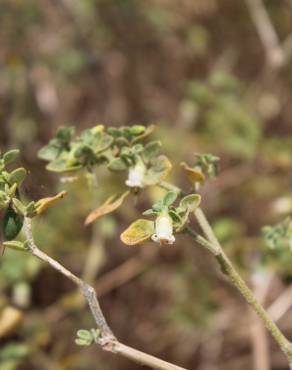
[
  {"x": 107, "y": 339},
  {"x": 234, "y": 277},
  {"x": 211, "y": 243}
]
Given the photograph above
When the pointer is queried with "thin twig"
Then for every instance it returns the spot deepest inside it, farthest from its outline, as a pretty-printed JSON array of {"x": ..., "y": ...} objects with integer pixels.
[
  {"x": 258, "y": 334},
  {"x": 281, "y": 305},
  {"x": 269, "y": 38},
  {"x": 229, "y": 270},
  {"x": 107, "y": 339}
]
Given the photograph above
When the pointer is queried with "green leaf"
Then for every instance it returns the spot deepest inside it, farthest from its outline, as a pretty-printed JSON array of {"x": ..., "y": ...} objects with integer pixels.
[
  {"x": 17, "y": 176},
  {"x": 160, "y": 168},
  {"x": 62, "y": 165},
  {"x": 136, "y": 130},
  {"x": 12, "y": 224},
  {"x": 103, "y": 143},
  {"x": 50, "y": 152},
  {"x": 169, "y": 198},
  {"x": 149, "y": 212},
  {"x": 58, "y": 145},
  {"x": 146, "y": 133},
  {"x": 10, "y": 156},
  {"x": 31, "y": 209},
  {"x": 190, "y": 202},
  {"x": 65, "y": 134},
  {"x": 16, "y": 245},
  {"x": 117, "y": 165},
  {"x": 11, "y": 191},
  {"x": 138, "y": 232},
  {"x": 115, "y": 132},
  {"x": 158, "y": 206},
  {"x": 20, "y": 207},
  {"x": 84, "y": 334},
  {"x": 175, "y": 217},
  {"x": 151, "y": 150},
  {"x": 4, "y": 199},
  {"x": 84, "y": 338}
]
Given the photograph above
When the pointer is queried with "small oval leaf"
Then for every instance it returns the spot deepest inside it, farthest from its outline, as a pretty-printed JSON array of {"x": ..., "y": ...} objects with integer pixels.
[
  {"x": 117, "y": 165},
  {"x": 10, "y": 156},
  {"x": 17, "y": 176},
  {"x": 12, "y": 224},
  {"x": 190, "y": 202},
  {"x": 170, "y": 198},
  {"x": 138, "y": 232},
  {"x": 158, "y": 171}
]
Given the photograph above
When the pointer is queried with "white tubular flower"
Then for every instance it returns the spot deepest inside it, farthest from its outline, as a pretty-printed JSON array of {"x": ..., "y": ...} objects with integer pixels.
[
  {"x": 163, "y": 230},
  {"x": 136, "y": 175}
]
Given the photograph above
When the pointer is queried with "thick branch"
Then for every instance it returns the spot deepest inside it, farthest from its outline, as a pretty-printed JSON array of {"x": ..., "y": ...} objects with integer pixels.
[{"x": 107, "y": 340}]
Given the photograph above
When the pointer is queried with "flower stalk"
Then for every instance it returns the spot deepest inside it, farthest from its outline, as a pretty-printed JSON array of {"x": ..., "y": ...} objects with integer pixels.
[{"x": 229, "y": 270}]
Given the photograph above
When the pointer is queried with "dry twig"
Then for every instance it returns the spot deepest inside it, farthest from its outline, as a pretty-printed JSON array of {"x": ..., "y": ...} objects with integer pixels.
[{"x": 107, "y": 339}]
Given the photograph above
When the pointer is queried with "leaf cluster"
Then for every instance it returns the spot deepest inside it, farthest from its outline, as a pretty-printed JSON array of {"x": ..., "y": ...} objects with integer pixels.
[
  {"x": 179, "y": 213},
  {"x": 117, "y": 147}
]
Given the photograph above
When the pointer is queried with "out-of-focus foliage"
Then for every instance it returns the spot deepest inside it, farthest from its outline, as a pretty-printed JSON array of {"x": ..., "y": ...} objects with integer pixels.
[{"x": 198, "y": 70}]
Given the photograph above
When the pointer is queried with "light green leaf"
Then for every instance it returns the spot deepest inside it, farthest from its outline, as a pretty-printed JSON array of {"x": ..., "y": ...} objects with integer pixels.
[
  {"x": 158, "y": 171},
  {"x": 169, "y": 198},
  {"x": 151, "y": 150},
  {"x": 136, "y": 130},
  {"x": 62, "y": 165},
  {"x": 117, "y": 165},
  {"x": 190, "y": 202},
  {"x": 10, "y": 156},
  {"x": 20, "y": 207},
  {"x": 17, "y": 176},
  {"x": 16, "y": 245},
  {"x": 50, "y": 152},
  {"x": 147, "y": 132}
]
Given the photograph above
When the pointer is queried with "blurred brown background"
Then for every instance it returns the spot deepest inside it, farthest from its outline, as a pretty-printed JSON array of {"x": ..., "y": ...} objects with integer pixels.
[{"x": 215, "y": 76}]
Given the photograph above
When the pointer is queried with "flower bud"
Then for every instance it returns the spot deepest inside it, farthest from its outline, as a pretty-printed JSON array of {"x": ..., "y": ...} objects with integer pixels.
[
  {"x": 163, "y": 230},
  {"x": 136, "y": 175}
]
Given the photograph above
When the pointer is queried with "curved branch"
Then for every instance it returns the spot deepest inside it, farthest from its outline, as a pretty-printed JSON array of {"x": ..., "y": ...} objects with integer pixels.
[{"x": 107, "y": 339}]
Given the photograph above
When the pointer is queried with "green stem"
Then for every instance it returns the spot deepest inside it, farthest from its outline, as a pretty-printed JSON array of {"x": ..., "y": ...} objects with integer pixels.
[
  {"x": 229, "y": 270},
  {"x": 199, "y": 239},
  {"x": 212, "y": 244}
]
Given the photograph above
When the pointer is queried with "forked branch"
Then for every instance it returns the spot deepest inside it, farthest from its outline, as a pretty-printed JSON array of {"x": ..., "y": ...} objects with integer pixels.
[{"x": 106, "y": 339}]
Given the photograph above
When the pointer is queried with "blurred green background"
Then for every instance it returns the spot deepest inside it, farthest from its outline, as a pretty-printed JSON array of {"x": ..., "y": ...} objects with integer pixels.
[{"x": 198, "y": 69}]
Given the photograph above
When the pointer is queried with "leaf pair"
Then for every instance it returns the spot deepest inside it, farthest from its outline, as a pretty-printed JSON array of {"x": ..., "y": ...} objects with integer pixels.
[{"x": 141, "y": 230}]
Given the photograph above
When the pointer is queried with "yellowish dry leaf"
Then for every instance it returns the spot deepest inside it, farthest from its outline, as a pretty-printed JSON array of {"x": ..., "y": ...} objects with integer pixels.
[
  {"x": 138, "y": 232},
  {"x": 193, "y": 174},
  {"x": 43, "y": 204},
  {"x": 107, "y": 207},
  {"x": 10, "y": 319}
]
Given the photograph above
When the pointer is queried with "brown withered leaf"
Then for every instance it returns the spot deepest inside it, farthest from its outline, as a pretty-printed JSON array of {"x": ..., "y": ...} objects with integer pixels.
[
  {"x": 107, "y": 207},
  {"x": 193, "y": 174}
]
